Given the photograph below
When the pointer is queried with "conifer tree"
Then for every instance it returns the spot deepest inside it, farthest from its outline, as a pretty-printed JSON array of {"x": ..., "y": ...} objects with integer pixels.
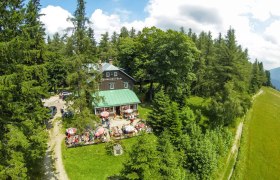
[
  {"x": 56, "y": 63},
  {"x": 82, "y": 80},
  {"x": 165, "y": 116},
  {"x": 255, "y": 77},
  {"x": 23, "y": 84},
  {"x": 124, "y": 33},
  {"x": 169, "y": 159},
  {"x": 132, "y": 33},
  {"x": 158, "y": 118},
  {"x": 143, "y": 162}
]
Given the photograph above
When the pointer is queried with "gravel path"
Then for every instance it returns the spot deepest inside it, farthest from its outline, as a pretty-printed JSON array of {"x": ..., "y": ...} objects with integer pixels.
[{"x": 53, "y": 164}]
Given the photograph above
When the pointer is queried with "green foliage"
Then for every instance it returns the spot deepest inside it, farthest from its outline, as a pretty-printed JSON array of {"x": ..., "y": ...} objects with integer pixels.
[
  {"x": 188, "y": 118},
  {"x": 170, "y": 167},
  {"x": 127, "y": 52},
  {"x": 56, "y": 64},
  {"x": 174, "y": 64},
  {"x": 143, "y": 162},
  {"x": 202, "y": 159},
  {"x": 165, "y": 116},
  {"x": 23, "y": 83},
  {"x": 81, "y": 120},
  {"x": 203, "y": 150},
  {"x": 83, "y": 83},
  {"x": 258, "y": 78}
]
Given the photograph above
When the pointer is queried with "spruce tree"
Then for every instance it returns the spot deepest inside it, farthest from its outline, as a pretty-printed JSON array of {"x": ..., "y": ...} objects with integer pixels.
[
  {"x": 82, "y": 80},
  {"x": 255, "y": 78},
  {"x": 143, "y": 162},
  {"x": 165, "y": 116},
  {"x": 23, "y": 83},
  {"x": 56, "y": 63},
  {"x": 158, "y": 118},
  {"x": 169, "y": 159}
]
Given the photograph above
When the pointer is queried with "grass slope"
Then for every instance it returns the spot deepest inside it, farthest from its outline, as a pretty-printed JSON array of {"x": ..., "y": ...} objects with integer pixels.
[{"x": 260, "y": 147}]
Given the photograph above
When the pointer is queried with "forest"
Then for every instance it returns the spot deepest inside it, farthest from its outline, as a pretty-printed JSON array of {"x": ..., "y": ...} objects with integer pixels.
[{"x": 198, "y": 86}]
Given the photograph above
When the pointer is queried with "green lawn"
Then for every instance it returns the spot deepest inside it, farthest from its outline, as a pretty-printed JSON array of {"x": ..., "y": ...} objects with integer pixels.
[
  {"x": 92, "y": 162},
  {"x": 260, "y": 147},
  {"x": 144, "y": 110}
]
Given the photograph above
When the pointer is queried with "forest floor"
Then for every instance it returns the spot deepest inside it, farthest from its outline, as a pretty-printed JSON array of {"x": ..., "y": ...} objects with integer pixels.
[{"x": 53, "y": 164}]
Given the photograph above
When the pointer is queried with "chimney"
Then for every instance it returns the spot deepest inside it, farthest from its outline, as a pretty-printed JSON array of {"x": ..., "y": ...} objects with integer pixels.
[
  {"x": 111, "y": 61},
  {"x": 100, "y": 65}
]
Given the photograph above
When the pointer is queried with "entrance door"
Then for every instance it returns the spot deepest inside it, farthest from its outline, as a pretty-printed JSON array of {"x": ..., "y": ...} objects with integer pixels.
[{"x": 118, "y": 112}]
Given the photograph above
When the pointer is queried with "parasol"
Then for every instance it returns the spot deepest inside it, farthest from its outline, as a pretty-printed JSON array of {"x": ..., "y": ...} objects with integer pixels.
[
  {"x": 129, "y": 128},
  {"x": 141, "y": 125},
  {"x": 128, "y": 110},
  {"x": 71, "y": 131},
  {"x": 104, "y": 114},
  {"x": 99, "y": 131}
]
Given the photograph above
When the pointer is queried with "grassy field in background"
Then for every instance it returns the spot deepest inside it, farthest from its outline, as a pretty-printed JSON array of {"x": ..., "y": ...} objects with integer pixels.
[
  {"x": 92, "y": 162},
  {"x": 259, "y": 156}
]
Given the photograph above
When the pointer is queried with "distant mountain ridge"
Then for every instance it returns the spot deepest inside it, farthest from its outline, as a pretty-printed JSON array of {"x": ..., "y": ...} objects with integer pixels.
[{"x": 275, "y": 77}]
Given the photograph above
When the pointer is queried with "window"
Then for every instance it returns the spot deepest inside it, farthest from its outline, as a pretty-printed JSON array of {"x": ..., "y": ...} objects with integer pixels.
[
  {"x": 107, "y": 74},
  {"x": 112, "y": 85},
  {"x": 115, "y": 73},
  {"x": 125, "y": 84}
]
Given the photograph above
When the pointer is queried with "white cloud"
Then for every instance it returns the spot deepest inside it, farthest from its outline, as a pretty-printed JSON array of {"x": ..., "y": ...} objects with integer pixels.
[
  {"x": 272, "y": 32},
  {"x": 104, "y": 23},
  {"x": 55, "y": 19},
  {"x": 263, "y": 10}
]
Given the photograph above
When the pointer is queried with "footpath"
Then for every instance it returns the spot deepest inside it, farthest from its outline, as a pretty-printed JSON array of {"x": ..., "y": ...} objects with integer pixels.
[{"x": 54, "y": 168}]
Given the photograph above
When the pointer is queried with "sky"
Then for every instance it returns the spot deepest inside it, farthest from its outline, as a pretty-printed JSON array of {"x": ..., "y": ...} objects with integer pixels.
[{"x": 256, "y": 22}]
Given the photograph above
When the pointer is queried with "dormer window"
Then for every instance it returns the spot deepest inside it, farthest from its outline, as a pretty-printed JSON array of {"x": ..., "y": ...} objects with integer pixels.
[
  {"x": 115, "y": 73},
  {"x": 107, "y": 74}
]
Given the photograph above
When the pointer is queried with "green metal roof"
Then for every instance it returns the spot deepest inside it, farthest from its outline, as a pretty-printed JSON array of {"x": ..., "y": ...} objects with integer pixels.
[{"x": 117, "y": 98}]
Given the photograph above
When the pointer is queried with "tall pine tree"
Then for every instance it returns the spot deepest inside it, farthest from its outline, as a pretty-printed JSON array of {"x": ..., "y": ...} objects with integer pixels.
[
  {"x": 23, "y": 84},
  {"x": 82, "y": 80},
  {"x": 143, "y": 162}
]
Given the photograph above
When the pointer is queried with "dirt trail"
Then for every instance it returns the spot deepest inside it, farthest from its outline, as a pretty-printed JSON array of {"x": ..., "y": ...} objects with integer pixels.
[
  {"x": 236, "y": 143},
  {"x": 53, "y": 164}
]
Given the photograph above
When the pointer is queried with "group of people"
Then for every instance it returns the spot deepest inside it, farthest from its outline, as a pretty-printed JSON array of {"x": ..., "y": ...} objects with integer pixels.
[
  {"x": 74, "y": 139},
  {"x": 104, "y": 132}
]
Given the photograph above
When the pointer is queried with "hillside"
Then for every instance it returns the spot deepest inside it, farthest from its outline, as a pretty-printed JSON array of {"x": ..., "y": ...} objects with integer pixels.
[
  {"x": 259, "y": 152},
  {"x": 275, "y": 77}
]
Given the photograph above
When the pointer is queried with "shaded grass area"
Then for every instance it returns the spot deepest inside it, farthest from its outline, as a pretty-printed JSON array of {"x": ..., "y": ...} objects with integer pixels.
[
  {"x": 92, "y": 162},
  {"x": 259, "y": 156}
]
